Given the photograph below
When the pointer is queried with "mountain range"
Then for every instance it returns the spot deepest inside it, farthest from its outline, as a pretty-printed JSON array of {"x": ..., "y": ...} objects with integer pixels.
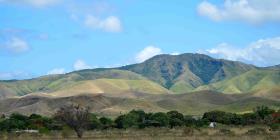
[{"x": 190, "y": 83}]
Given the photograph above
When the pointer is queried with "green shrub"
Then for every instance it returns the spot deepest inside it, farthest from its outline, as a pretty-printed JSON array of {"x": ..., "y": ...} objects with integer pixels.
[
  {"x": 134, "y": 118},
  {"x": 189, "y": 121},
  {"x": 274, "y": 127},
  {"x": 106, "y": 122},
  {"x": 94, "y": 122},
  {"x": 175, "y": 118},
  {"x": 161, "y": 118},
  {"x": 44, "y": 130}
]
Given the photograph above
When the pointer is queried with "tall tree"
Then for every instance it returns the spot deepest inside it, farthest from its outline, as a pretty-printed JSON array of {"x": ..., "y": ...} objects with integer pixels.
[{"x": 75, "y": 116}]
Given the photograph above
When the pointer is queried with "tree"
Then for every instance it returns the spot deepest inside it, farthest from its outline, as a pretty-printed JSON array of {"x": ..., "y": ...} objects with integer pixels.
[
  {"x": 263, "y": 111},
  {"x": 126, "y": 121},
  {"x": 134, "y": 118},
  {"x": 189, "y": 121},
  {"x": 223, "y": 117},
  {"x": 106, "y": 122},
  {"x": 175, "y": 118},
  {"x": 161, "y": 118},
  {"x": 94, "y": 122},
  {"x": 249, "y": 118},
  {"x": 12, "y": 124},
  {"x": 75, "y": 116},
  {"x": 35, "y": 121}
]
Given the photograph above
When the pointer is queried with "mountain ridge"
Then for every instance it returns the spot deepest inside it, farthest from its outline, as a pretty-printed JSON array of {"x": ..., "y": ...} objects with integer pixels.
[
  {"x": 177, "y": 73},
  {"x": 192, "y": 70},
  {"x": 189, "y": 83}
]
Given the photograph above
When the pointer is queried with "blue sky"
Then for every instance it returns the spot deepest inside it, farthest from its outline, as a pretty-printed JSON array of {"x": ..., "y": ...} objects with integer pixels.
[{"x": 39, "y": 37}]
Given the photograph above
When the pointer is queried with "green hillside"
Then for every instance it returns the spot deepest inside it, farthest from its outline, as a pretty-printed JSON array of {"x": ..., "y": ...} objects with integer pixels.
[
  {"x": 161, "y": 74},
  {"x": 52, "y": 83},
  {"x": 276, "y": 67},
  {"x": 110, "y": 86},
  {"x": 185, "y": 72},
  {"x": 250, "y": 81}
]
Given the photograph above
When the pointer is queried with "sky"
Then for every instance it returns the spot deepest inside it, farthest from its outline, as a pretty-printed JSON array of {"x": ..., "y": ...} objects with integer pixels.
[{"x": 42, "y": 37}]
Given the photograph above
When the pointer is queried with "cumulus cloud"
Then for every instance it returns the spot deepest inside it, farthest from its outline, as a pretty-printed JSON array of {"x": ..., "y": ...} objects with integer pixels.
[
  {"x": 175, "y": 53},
  {"x": 56, "y": 71},
  {"x": 147, "y": 53},
  {"x": 34, "y": 3},
  {"x": 80, "y": 64},
  {"x": 264, "y": 52},
  {"x": 252, "y": 11},
  {"x": 15, "y": 45},
  {"x": 109, "y": 24}
]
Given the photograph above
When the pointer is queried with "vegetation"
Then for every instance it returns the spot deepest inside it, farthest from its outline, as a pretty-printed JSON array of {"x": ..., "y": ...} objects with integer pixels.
[
  {"x": 253, "y": 80},
  {"x": 163, "y": 73},
  {"x": 53, "y": 83},
  {"x": 187, "y": 71},
  {"x": 75, "y": 117},
  {"x": 79, "y": 119}
]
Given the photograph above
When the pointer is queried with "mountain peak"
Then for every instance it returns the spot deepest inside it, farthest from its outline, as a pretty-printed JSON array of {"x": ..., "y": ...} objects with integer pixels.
[{"x": 187, "y": 70}]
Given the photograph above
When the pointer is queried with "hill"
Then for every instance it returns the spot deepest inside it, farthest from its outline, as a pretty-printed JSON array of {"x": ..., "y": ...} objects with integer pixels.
[
  {"x": 52, "y": 83},
  {"x": 185, "y": 72},
  {"x": 195, "y": 103},
  {"x": 176, "y": 73},
  {"x": 276, "y": 67},
  {"x": 199, "y": 81},
  {"x": 112, "y": 86},
  {"x": 251, "y": 81}
]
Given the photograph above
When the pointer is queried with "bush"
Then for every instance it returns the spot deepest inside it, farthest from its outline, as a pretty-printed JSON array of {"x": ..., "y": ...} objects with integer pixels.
[
  {"x": 17, "y": 116},
  {"x": 201, "y": 122},
  {"x": 126, "y": 121},
  {"x": 175, "y": 118},
  {"x": 189, "y": 121},
  {"x": 263, "y": 111},
  {"x": 81, "y": 119},
  {"x": 135, "y": 118},
  {"x": 249, "y": 118},
  {"x": 105, "y": 122},
  {"x": 12, "y": 124},
  {"x": 94, "y": 122},
  {"x": 161, "y": 118},
  {"x": 223, "y": 117},
  {"x": 44, "y": 130},
  {"x": 274, "y": 127}
]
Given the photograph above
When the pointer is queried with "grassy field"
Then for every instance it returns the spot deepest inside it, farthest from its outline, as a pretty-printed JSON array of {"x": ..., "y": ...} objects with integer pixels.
[{"x": 220, "y": 133}]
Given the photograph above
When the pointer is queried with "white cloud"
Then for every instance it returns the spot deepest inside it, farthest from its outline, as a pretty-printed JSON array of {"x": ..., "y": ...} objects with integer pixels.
[
  {"x": 109, "y": 24},
  {"x": 15, "y": 45},
  {"x": 147, "y": 53},
  {"x": 264, "y": 52},
  {"x": 34, "y": 3},
  {"x": 14, "y": 75},
  {"x": 252, "y": 11},
  {"x": 56, "y": 71},
  {"x": 175, "y": 53},
  {"x": 80, "y": 64}
]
